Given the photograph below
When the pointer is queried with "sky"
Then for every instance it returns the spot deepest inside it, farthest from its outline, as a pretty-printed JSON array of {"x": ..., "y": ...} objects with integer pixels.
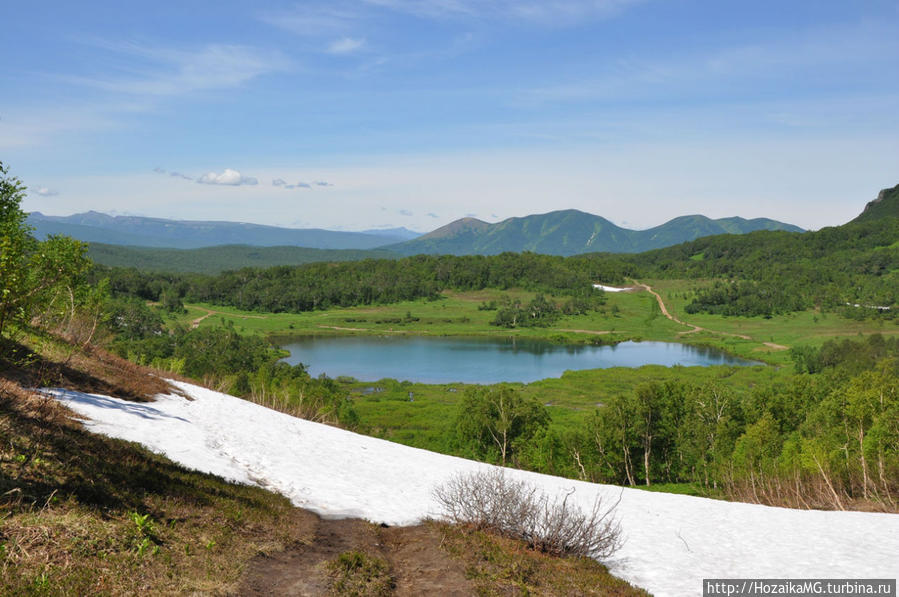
[{"x": 359, "y": 114}]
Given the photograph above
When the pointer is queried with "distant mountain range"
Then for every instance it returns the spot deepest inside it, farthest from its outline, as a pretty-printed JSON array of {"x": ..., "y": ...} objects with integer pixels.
[
  {"x": 567, "y": 232},
  {"x": 139, "y": 231},
  {"x": 571, "y": 232}
]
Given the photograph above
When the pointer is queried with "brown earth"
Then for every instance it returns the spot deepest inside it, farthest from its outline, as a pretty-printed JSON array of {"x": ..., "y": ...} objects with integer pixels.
[{"x": 418, "y": 564}]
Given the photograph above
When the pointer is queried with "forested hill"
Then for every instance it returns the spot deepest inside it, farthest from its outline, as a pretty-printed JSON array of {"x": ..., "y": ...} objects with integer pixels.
[
  {"x": 186, "y": 234},
  {"x": 571, "y": 232},
  {"x": 886, "y": 205},
  {"x": 212, "y": 260},
  {"x": 853, "y": 267}
]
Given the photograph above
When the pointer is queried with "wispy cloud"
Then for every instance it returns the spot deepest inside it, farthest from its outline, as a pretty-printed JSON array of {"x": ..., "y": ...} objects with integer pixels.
[
  {"x": 828, "y": 51},
  {"x": 544, "y": 12},
  {"x": 431, "y": 214},
  {"x": 323, "y": 183},
  {"x": 229, "y": 177},
  {"x": 163, "y": 71},
  {"x": 45, "y": 192},
  {"x": 405, "y": 212},
  {"x": 299, "y": 185},
  {"x": 341, "y": 17},
  {"x": 173, "y": 174},
  {"x": 278, "y": 182},
  {"x": 346, "y": 45},
  {"x": 313, "y": 20}
]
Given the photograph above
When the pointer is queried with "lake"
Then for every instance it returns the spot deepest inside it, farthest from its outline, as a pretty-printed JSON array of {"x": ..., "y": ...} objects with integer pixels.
[{"x": 428, "y": 359}]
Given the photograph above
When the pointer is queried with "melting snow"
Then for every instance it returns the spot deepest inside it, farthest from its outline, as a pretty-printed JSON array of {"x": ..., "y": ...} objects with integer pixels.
[
  {"x": 610, "y": 288},
  {"x": 671, "y": 543}
]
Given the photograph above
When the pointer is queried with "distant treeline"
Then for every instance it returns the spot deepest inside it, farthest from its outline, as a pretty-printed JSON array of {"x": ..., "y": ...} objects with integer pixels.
[
  {"x": 372, "y": 281},
  {"x": 853, "y": 269}
]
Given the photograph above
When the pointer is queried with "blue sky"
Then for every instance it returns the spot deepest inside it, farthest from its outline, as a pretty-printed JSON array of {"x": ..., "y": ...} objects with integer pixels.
[{"x": 372, "y": 113}]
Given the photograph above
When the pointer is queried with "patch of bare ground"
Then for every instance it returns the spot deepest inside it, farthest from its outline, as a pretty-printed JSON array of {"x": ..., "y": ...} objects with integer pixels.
[
  {"x": 774, "y": 346},
  {"x": 432, "y": 558},
  {"x": 210, "y": 312},
  {"x": 415, "y": 562},
  {"x": 50, "y": 361},
  {"x": 343, "y": 329},
  {"x": 502, "y": 566}
]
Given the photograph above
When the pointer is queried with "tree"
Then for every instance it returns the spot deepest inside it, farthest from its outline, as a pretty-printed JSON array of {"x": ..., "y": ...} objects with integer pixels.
[
  {"x": 498, "y": 420},
  {"x": 32, "y": 273}
]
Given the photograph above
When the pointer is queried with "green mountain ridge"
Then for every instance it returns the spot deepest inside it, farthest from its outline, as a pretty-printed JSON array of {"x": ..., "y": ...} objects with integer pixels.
[{"x": 571, "y": 232}]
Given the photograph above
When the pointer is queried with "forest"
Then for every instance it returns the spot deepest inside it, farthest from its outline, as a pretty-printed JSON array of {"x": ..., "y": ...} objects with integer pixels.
[{"x": 825, "y": 437}]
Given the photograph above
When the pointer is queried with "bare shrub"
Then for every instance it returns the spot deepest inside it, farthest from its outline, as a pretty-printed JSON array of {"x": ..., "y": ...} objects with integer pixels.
[{"x": 492, "y": 501}]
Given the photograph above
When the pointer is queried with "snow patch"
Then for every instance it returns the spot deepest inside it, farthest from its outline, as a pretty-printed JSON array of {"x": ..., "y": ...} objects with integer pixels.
[{"x": 671, "y": 543}]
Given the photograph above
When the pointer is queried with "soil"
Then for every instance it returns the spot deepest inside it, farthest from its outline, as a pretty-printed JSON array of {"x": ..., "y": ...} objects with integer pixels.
[{"x": 418, "y": 563}]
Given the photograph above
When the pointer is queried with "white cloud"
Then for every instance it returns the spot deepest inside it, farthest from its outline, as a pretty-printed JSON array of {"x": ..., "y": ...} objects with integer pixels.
[
  {"x": 299, "y": 185},
  {"x": 179, "y": 175},
  {"x": 322, "y": 183},
  {"x": 228, "y": 177},
  {"x": 405, "y": 212},
  {"x": 346, "y": 45},
  {"x": 278, "y": 182},
  {"x": 45, "y": 192},
  {"x": 159, "y": 170}
]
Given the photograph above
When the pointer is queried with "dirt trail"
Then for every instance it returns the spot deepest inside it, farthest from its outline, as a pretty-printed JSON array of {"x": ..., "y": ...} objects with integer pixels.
[
  {"x": 696, "y": 328},
  {"x": 417, "y": 562},
  {"x": 337, "y": 327},
  {"x": 196, "y": 322}
]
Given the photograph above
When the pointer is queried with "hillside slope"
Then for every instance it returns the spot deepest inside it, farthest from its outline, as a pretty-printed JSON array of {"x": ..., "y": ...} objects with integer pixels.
[
  {"x": 886, "y": 205},
  {"x": 84, "y": 514},
  {"x": 671, "y": 542},
  {"x": 213, "y": 260},
  {"x": 571, "y": 232}
]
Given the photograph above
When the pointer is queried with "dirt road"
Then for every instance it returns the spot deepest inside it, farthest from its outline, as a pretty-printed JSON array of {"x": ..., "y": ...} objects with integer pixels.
[{"x": 696, "y": 328}]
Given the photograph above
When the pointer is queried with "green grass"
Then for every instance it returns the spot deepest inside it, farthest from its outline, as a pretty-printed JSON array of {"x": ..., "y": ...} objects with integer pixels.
[
  {"x": 385, "y": 410},
  {"x": 358, "y": 573},
  {"x": 626, "y": 316}
]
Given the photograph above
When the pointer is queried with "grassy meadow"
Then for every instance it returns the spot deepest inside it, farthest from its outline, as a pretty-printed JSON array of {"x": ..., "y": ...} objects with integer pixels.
[
  {"x": 420, "y": 415},
  {"x": 625, "y": 316}
]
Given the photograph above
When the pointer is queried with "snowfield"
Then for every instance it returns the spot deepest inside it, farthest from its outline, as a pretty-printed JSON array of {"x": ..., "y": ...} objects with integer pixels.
[{"x": 671, "y": 543}]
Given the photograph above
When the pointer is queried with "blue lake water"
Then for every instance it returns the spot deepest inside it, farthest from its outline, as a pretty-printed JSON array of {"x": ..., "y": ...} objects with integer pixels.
[{"x": 429, "y": 359}]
